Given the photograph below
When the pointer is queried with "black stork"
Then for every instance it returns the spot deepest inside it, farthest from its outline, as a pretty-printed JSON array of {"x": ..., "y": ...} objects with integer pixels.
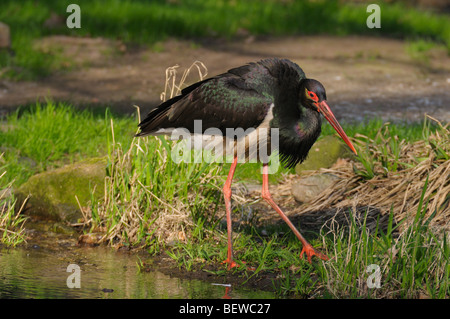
[{"x": 271, "y": 93}]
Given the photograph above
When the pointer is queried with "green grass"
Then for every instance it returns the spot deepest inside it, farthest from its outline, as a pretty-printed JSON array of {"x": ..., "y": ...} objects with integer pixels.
[
  {"x": 419, "y": 49},
  {"x": 146, "y": 23},
  {"x": 412, "y": 262}
]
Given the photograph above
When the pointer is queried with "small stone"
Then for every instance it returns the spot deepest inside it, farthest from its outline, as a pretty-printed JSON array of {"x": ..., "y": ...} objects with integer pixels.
[
  {"x": 55, "y": 21},
  {"x": 90, "y": 239},
  {"x": 60, "y": 228},
  {"x": 107, "y": 290},
  {"x": 308, "y": 188}
]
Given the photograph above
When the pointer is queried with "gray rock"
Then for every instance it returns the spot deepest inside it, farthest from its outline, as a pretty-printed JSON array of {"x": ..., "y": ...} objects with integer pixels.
[
  {"x": 306, "y": 189},
  {"x": 324, "y": 153},
  {"x": 52, "y": 193}
]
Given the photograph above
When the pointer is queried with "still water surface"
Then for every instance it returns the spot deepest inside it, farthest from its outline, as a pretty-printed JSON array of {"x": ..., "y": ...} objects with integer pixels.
[{"x": 36, "y": 272}]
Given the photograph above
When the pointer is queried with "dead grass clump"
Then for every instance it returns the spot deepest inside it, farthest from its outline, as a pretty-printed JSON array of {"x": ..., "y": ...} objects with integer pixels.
[
  {"x": 392, "y": 174},
  {"x": 150, "y": 199},
  {"x": 12, "y": 231}
]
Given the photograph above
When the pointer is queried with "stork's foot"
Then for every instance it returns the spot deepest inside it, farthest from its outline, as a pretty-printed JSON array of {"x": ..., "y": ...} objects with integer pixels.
[
  {"x": 230, "y": 262},
  {"x": 234, "y": 264},
  {"x": 310, "y": 251}
]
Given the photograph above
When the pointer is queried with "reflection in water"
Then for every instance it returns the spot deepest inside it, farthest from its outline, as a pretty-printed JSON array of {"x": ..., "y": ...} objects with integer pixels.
[{"x": 105, "y": 273}]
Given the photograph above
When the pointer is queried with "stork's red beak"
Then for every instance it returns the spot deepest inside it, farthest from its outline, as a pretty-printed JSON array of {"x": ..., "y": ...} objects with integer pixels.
[{"x": 325, "y": 110}]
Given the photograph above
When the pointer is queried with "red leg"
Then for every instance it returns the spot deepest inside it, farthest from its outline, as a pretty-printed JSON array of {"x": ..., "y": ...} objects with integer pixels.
[
  {"x": 227, "y": 196},
  {"x": 307, "y": 248}
]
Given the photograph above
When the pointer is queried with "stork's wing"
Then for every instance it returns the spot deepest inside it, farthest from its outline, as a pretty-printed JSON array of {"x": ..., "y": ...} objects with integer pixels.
[{"x": 234, "y": 99}]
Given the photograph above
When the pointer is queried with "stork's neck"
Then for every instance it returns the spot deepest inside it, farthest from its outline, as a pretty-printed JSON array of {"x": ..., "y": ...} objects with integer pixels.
[
  {"x": 297, "y": 124},
  {"x": 296, "y": 134},
  {"x": 309, "y": 124}
]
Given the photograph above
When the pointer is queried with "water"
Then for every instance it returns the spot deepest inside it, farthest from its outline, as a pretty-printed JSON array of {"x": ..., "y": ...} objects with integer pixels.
[{"x": 38, "y": 272}]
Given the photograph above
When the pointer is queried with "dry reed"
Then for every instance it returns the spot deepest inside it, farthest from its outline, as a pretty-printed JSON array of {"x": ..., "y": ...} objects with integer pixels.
[{"x": 399, "y": 189}]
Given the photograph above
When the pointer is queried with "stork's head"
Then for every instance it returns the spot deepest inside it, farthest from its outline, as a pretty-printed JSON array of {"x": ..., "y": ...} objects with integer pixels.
[{"x": 313, "y": 96}]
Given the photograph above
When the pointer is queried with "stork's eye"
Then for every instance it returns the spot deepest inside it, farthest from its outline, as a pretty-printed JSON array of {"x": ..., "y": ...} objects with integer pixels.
[{"x": 313, "y": 96}]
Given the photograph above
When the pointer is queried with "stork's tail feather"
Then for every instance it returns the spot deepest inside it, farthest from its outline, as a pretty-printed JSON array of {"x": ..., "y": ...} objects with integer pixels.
[{"x": 157, "y": 118}]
